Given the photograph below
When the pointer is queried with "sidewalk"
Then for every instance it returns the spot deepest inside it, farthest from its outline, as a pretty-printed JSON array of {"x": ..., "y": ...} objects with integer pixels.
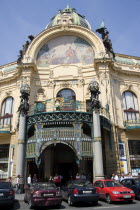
[{"x": 19, "y": 197}]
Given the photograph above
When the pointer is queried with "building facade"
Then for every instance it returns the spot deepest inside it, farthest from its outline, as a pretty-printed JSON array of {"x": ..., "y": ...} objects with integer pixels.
[{"x": 57, "y": 133}]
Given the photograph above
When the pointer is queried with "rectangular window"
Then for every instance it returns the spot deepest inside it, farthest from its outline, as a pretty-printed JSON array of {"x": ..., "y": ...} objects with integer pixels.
[
  {"x": 4, "y": 152},
  {"x": 134, "y": 152}
]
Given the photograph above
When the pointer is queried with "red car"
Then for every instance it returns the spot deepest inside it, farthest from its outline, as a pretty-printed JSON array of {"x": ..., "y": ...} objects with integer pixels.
[
  {"x": 43, "y": 194},
  {"x": 111, "y": 190}
]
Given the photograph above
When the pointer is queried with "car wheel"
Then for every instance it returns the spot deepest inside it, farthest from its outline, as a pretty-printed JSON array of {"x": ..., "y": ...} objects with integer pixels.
[
  {"x": 95, "y": 203},
  {"x": 138, "y": 196},
  {"x": 130, "y": 201},
  {"x": 30, "y": 204},
  {"x": 108, "y": 199},
  {"x": 69, "y": 201},
  {"x": 58, "y": 206},
  {"x": 12, "y": 205}
]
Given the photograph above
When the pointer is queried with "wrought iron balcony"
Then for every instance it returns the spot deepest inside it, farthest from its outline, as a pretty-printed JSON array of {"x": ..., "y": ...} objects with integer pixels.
[
  {"x": 51, "y": 105},
  {"x": 5, "y": 128},
  {"x": 132, "y": 124},
  {"x": 61, "y": 133}
]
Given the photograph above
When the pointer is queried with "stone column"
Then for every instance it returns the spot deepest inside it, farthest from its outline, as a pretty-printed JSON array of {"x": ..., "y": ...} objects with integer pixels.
[
  {"x": 23, "y": 109},
  {"x": 98, "y": 172}
]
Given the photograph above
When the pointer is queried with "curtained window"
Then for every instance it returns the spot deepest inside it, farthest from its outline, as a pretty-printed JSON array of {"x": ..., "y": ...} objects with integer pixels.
[
  {"x": 130, "y": 106},
  {"x": 7, "y": 112}
]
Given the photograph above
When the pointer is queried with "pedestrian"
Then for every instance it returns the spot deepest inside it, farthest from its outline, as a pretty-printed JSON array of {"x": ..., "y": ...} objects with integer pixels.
[
  {"x": 139, "y": 175},
  {"x": 34, "y": 178},
  {"x": 116, "y": 177},
  {"x": 130, "y": 175},
  {"x": 51, "y": 179},
  {"x": 112, "y": 176},
  {"x": 122, "y": 177},
  {"x": 89, "y": 177},
  {"x": 77, "y": 177},
  {"x": 10, "y": 179},
  {"x": 18, "y": 184},
  {"x": 57, "y": 180},
  {"x": 83, "y": 177},
  {"x": 29, "y": 181}
]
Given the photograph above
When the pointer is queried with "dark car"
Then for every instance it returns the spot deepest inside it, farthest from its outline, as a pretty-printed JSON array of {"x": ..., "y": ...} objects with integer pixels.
[
  {"x": 7, "y": 194},
  {"x": 111, "y": 190},
  {"x": 79, "y": 191},
  {"x": 133, "y": 184},
  {"x": 43, "y": 194}
]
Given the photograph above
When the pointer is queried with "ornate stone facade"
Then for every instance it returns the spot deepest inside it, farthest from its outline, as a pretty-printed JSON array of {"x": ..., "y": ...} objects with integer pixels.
[{"x": 118, "y": 79}]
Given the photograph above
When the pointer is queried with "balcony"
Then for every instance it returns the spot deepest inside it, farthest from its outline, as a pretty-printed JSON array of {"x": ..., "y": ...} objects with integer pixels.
[
  {"x": 132, "y": 124},
  {"x": 3, "y": 175},
  {"x": 51, "y": 105},
  {"x": 5, "y": 129}
]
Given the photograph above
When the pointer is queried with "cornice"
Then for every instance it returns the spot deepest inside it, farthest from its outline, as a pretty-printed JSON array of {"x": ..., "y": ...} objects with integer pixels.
[
  {"x": 109, "y": 62},
  {"x": 111, "y": 65},
  {"x": 27, "y": 66},
  {"x": 9, "y": 77}
]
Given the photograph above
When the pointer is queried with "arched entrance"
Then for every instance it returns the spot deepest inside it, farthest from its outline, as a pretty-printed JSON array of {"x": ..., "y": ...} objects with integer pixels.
[
  {"x": 59, "y": 158},
  {"x": 55, "y": 158}
]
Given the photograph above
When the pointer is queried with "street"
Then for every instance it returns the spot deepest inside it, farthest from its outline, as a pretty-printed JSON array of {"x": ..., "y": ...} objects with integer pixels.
[{"x": 101, "y": 205}]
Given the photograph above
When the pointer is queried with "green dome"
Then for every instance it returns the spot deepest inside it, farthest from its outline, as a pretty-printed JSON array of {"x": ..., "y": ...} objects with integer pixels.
[{"x": 68, "y": 16}]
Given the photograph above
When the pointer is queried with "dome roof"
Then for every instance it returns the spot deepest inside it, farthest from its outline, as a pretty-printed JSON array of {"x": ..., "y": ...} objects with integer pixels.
[{"x": 68, "y": 16}]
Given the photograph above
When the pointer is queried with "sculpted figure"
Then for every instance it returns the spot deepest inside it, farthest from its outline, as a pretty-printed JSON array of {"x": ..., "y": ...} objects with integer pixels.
[{"x": 106, "y": 41}]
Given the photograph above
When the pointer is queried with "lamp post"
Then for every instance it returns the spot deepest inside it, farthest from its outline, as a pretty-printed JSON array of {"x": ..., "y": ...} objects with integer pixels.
[
  {"x": 98, "y": 172},
  {"x": 23, "y": 109}
]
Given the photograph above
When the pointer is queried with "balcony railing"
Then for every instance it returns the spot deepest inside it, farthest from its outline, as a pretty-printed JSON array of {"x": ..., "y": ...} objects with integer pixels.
[
  {"x": 5, "y": 128},
  {"x": 3, "y": 175},
  {"x": 104, "y": 112},
  {"x": 3, "y": 159},
  {"x": 51, "y": 105},
  {"x": 59, "y": 133},
  {"x": 132, "y": 124}
]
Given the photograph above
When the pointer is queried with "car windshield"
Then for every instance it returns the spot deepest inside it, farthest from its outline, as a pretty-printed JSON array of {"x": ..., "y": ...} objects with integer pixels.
[
  {"x": 81, "y": 183},
  {"x": 45, "y": 186},
  {"x": 4, "y": 185},
  {"x": 112, "y": 184}
]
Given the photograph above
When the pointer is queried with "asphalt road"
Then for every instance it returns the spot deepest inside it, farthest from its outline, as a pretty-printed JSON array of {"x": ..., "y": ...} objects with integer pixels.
[{"x": 101, "y": 205}]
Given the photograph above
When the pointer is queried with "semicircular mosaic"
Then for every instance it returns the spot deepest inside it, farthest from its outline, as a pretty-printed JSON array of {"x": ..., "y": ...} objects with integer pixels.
[{"x": 65, "y": 50}]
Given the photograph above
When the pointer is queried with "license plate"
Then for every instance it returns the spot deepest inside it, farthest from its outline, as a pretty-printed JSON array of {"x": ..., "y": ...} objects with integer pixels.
[
  {"x": 87, "y": 191},
  {"x": 50, "y": 194},
  {"x": 127, "y": 196},
  {"x": 1, "y": 194}
]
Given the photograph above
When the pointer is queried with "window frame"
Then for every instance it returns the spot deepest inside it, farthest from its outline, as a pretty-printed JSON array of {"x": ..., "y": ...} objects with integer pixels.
[
  {"x": 5, "y": 115},
  {"x": 130, "y": 110}
]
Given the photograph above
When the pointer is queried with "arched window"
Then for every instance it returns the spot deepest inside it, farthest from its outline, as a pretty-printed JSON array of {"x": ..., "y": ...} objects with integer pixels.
[
  {"x": 7, "y": 112},
  {"x": 68, "y": 99},
  {"x": 130, "y": 106}
]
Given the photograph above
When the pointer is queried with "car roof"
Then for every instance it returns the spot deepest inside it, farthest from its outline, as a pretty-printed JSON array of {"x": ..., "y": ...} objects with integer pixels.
[
  {"x": 43, "y": 183},
  {"x": 132, "y": 178},
  {"x": 103, "y": 180}
]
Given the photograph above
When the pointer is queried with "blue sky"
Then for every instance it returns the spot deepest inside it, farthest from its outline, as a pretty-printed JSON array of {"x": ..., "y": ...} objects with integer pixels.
[{"x": 20, "y": 18}]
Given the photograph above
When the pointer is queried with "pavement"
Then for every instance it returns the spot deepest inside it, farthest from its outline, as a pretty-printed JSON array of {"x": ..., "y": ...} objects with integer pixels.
[{"x": 19, "y": 197}]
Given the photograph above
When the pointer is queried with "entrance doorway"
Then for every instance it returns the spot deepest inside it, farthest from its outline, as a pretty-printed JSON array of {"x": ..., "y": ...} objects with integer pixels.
[{"x": 58, "y": 159}]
